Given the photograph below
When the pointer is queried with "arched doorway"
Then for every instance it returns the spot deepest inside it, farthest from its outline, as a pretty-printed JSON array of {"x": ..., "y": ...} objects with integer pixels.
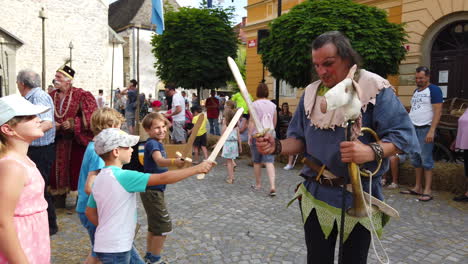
[{"x": 449, "y": 60}]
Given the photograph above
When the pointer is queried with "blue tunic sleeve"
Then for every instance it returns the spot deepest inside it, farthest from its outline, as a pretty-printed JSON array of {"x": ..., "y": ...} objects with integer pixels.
[{"x": 392, "y": 123}]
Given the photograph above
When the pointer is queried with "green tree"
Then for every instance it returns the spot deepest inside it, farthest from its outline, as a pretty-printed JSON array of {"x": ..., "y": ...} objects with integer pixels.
[
  {"x": 192, "y": 51},
  {"x": 287, "y": 51},
  {"x": 241, "y": 61}
]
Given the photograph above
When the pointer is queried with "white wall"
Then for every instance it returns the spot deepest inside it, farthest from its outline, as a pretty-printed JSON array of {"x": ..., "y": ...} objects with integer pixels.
[{"x": 82, "y": 22}]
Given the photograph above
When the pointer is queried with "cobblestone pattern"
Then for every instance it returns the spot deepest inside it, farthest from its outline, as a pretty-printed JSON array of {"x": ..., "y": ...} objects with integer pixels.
[{"x": 215, "y": 222}]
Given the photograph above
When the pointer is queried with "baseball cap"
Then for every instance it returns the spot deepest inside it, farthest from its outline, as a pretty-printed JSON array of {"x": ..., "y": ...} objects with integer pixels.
[
  {"x": 156, "y": 103},
  {"x": 15, "y": 105},
  {"x": 112, "y": 138}
]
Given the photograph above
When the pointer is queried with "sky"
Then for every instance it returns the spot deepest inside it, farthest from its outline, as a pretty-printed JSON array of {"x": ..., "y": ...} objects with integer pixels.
[{"x": 238, "y": 4}]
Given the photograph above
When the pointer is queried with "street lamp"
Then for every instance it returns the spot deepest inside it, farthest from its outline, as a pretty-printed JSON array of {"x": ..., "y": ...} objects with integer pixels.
[
  {"x": 43, "y": 16},
  {"x": 114, "y": 40},
  {"x": 2, "y": 42},
  {"x": 70, "y": 46}
]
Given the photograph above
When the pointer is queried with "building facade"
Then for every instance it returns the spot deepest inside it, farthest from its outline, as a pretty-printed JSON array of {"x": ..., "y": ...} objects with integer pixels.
[
  {"x": 83, "y": 24},
  {"x": 131, "y": 19},
  {"x": 437, "y": 37}
]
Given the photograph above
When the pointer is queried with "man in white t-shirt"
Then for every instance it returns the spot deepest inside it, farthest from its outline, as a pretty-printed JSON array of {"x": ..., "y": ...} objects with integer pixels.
[
  {"x": 426, "y": 108},
  {"x": 177, "y": 114}
]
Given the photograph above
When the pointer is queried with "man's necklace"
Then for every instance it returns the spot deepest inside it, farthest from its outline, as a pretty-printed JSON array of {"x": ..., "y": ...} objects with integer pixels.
[{"x": 68, "y": 105}]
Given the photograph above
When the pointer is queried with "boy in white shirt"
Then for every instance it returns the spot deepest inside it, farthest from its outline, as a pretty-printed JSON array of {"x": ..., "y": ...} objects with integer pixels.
[{"x": 112, "y": 203}]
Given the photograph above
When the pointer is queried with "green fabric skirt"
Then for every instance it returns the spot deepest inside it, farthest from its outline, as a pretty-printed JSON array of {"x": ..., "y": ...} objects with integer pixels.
[{"x": 327, "y": 215}]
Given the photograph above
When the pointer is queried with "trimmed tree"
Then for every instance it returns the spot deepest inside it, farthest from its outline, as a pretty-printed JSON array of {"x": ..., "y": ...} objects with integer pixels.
[
  {"x": 192, "y": 51},
  {"x": 287, "y": 51}
]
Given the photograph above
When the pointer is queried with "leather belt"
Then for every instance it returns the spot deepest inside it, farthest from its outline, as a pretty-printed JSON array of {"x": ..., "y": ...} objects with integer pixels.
[
  {"x": 336, "y": 182},
  {"x": 324, "y": 176}
]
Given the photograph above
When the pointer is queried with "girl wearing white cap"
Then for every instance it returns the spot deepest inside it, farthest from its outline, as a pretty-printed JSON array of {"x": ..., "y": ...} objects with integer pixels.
[{"x": 24, "y": 228}]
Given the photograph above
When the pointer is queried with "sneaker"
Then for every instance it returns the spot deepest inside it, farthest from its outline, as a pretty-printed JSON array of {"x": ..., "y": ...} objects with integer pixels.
[
  {"x": 272, "y": 193},
  {"x": 288, "y": 167},
  {"x": 392, "y": 186},
  {"x": 383, "y": 182}
]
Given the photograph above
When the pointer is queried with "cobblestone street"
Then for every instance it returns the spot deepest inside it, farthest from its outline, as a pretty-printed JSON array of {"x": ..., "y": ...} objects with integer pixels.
[{"x": 215, "y": 222}]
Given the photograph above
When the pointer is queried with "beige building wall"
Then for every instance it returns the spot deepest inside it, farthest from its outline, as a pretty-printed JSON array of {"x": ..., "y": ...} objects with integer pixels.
[
  {"x": 423, "y": 19},
  {"x": 84, "y": 23}
]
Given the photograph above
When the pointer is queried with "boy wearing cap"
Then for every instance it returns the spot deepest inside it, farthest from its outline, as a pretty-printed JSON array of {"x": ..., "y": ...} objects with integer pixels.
[{"x": 112, "y": 203}]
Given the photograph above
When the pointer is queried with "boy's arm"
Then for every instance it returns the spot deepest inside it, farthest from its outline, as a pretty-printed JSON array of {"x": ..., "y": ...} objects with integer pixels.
[
  {"x": 91, "y": 211},
  {"x": 178, "y": 175},
  {"x": 163, "y": 162},
  {"x": 92, "y": 215},
  {"x": 90, "y": 180}
]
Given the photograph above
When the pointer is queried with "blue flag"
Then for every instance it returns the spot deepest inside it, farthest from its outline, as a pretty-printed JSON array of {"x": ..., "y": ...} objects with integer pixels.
[
  {"x": 210, "y": 3},
  {"x": 157, "y": 16}
]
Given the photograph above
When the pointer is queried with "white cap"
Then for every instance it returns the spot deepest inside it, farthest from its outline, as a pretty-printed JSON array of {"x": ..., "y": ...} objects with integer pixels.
[
  {"x": 16, "y": 105},
  {"x": 112, "y": 138}
]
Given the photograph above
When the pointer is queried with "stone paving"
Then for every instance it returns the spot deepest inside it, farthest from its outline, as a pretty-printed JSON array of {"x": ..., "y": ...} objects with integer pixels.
[{"x": 216, "y": 222}]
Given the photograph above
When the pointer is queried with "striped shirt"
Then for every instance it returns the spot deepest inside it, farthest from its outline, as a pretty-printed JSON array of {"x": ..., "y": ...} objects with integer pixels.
[{"x": 38, "y": 97}]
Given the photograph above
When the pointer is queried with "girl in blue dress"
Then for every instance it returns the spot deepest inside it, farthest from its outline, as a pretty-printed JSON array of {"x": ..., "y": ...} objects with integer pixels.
[{"x": 232, "y": 146}]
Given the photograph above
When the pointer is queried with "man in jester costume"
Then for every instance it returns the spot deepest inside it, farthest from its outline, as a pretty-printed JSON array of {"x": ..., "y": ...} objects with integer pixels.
[{"x": 318, "y": 131}]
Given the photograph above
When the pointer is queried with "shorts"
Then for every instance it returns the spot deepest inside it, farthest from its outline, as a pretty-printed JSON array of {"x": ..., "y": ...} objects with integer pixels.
[
  {"x": 91, "y": 230},
  {"x": 178, "y": 132},
  {"x": 423, "y": 159},
  {"x": 200, "y": 141},
  {"x": 130, "y": 121},
  {"x": 257, "y": 157},
  {"x": 128, "y": 257},
  {"x": 159, "y": 221}
]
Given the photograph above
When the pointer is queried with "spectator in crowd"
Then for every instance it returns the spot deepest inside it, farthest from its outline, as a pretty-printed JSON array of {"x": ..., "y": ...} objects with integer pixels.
[
  {"x": 131, "y": 104},
  {"x": 266, "y": 113},
  {"x": 284, "y": 118},
  {"x": 462, "y": 143},
  {"x": 195, "y": 100},
  {"x": 177, "y": 114},
  {"x": 42, "y": 150},
  {"x": 395, "y": 162},
  {"x": 426, "y": 108},
  {"x": 212, "y": 109},
  {"x": 156, "y": 106},
  {"x": 144, "y": 107},
  {"x": 184, "y": 95},
  {"x": 100, "y": 100},
  {"x": 200, "y": 140},
  {"x": 222, "y": 101},
  {"x": 50, "y": 88},
  {"x": 232, "y": 147}
]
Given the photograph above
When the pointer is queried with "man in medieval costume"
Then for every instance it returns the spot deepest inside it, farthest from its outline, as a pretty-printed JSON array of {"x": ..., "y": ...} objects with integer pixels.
[
  {"x": 320, "y": 136},
  {"x": 73, "y": 110}
]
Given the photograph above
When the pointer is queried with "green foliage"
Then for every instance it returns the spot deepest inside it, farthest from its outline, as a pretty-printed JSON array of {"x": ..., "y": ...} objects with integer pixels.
[
  {"x": 241, "y": 61},
  {"x": 287, "y": 53},
  {"x": 192, "y": 51}
]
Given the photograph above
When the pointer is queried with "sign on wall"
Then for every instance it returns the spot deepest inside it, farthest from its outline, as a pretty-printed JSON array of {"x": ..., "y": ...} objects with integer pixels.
[{"x": 252, "y": 43}]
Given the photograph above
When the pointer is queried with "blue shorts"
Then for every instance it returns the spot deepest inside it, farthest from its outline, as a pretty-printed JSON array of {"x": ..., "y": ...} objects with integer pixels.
[
  {"x": 128, "y": 257},
  {"x": 424, "y": 159},
  {"x": 90, "y": 228},
  {"x": 260, "y": 158}
]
